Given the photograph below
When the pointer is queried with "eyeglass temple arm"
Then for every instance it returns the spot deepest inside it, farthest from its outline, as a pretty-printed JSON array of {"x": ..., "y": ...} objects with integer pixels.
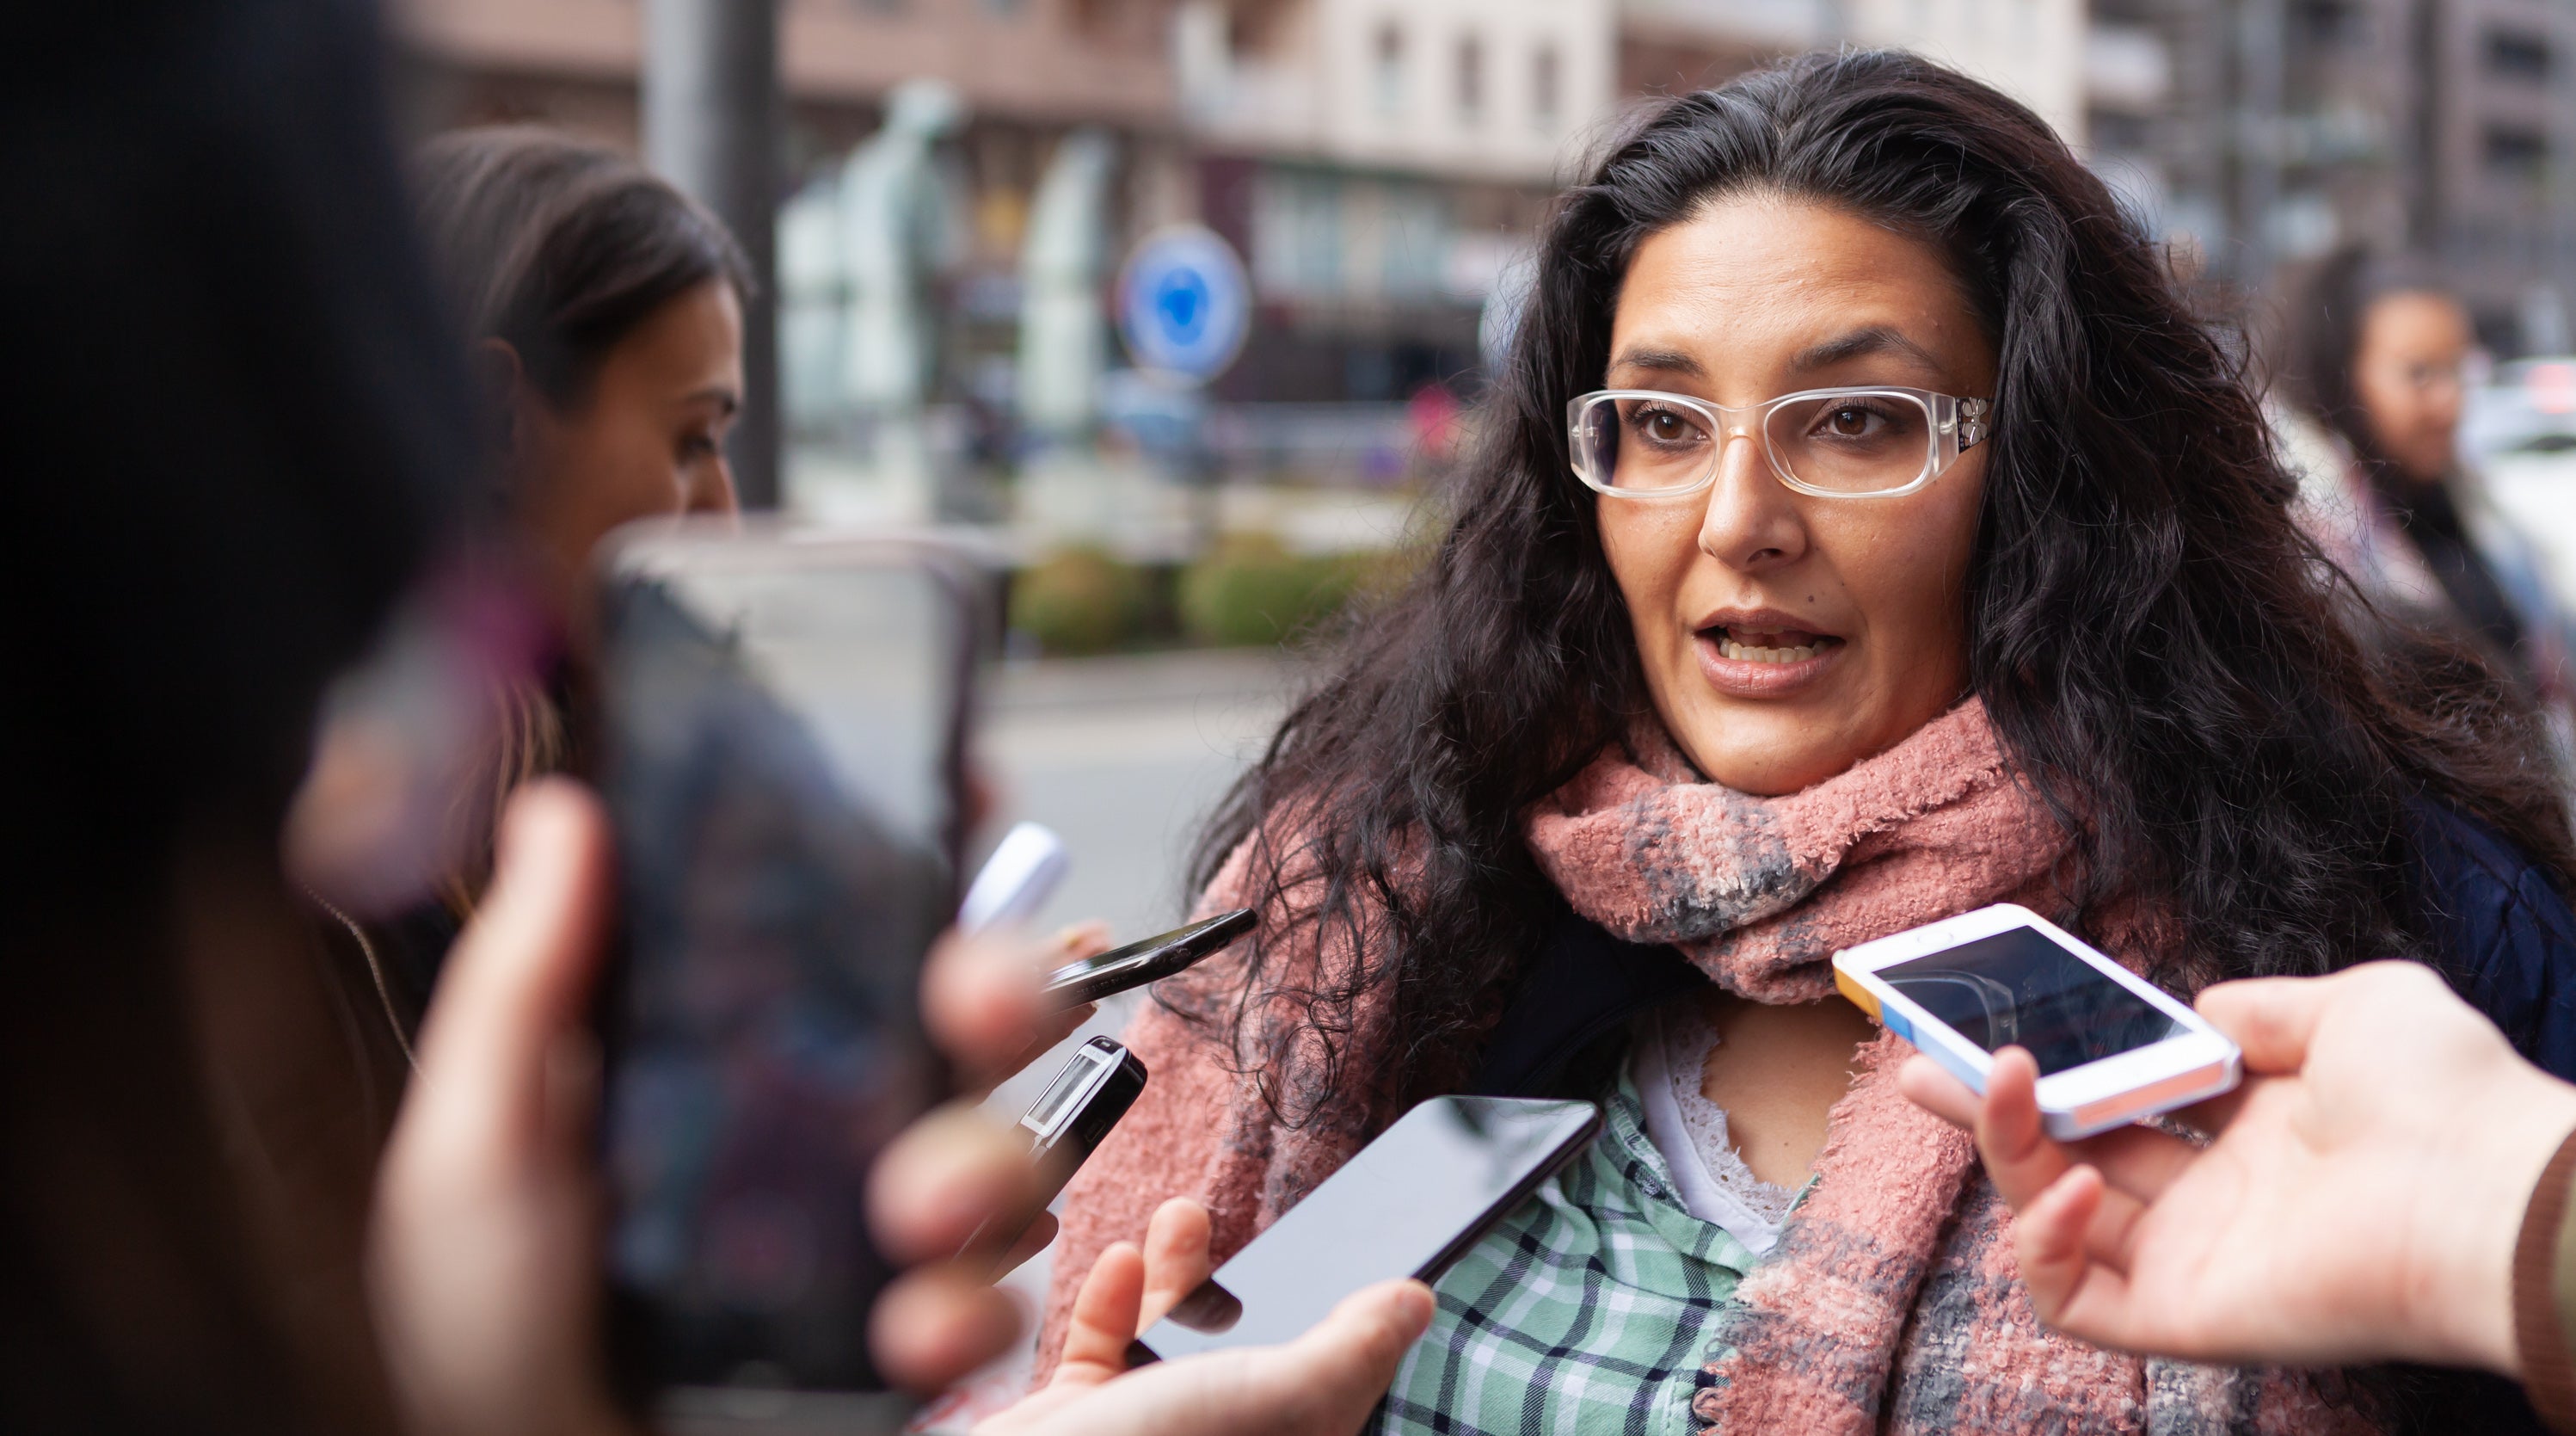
[{"x": 1971, "y": 423}]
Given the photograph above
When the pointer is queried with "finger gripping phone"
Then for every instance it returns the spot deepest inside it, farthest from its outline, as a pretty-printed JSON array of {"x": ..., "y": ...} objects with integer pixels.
[
  {"x": 1065, "y": 1125},
  {"x": 2111, "y": 1046},
  {"x": 1122, "y": 969},
  {"x": 783, "y": 732},
  {"x": 1409, "y": 1204}
]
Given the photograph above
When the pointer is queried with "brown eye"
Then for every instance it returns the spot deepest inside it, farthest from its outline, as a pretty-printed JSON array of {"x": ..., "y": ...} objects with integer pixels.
[
  {"x": 1665, "y": 426},
  {"x": 1849, "y": 422}
]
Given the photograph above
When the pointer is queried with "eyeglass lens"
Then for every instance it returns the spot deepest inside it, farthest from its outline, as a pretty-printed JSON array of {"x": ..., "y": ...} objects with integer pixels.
[{"x": 1843, "y": 443}]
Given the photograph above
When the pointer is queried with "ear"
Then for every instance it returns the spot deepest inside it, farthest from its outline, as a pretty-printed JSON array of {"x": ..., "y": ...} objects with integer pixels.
[{"x": 501, "y": 384}]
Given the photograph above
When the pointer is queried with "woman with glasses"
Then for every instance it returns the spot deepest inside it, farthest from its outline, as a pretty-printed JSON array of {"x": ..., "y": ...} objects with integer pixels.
[{"x": 1864, "y": 532}]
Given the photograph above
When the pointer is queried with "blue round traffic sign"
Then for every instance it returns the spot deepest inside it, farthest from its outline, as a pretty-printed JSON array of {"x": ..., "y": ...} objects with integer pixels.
[{"x": 1184, "y": 303}]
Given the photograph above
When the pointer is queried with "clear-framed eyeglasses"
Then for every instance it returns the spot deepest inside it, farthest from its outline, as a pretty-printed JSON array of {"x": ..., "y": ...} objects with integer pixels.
[{"x": 1855, "y": 443}]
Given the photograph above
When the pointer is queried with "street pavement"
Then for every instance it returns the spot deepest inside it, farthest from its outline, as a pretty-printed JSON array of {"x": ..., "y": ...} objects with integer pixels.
[{"x": 1124, "y": 757}]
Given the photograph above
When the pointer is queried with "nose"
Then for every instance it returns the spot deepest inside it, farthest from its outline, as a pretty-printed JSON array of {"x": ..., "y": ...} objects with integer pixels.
[
  {"x": 712, "y": 491},
  {"x": 1752, "y": 523}
]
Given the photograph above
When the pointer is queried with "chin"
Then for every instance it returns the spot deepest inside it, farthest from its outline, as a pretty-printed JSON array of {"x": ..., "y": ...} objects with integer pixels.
[{"x": 1769, "y": 754}]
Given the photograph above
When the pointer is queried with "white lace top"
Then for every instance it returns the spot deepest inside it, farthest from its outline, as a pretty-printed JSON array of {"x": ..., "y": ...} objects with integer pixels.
[{"x": 1666, "y": 1058}]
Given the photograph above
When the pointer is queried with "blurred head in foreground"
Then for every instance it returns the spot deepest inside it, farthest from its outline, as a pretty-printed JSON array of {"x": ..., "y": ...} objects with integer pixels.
[{"x": 252, "y": 428}]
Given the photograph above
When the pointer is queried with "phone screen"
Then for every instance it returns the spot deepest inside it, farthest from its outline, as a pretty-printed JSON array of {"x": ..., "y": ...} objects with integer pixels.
[
  {"x": 781, "y": 766},
  {"x": 1407, "y": 1205},
  {"x": 2020, "y": 988}
]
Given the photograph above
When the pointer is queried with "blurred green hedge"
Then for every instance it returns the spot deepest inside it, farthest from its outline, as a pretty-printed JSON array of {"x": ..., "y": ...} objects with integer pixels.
[
  {"x": 1247, "y": 590},
  {"x": 1079, "y": 600},
  {"x": 1250, "y": 589}
]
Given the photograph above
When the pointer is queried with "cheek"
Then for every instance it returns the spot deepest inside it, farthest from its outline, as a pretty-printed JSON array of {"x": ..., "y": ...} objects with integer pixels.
[
  {"x": 1906, "y": 570},
  {"x": 638, "y": 477},
  {"x": 1650, "y": 553}
]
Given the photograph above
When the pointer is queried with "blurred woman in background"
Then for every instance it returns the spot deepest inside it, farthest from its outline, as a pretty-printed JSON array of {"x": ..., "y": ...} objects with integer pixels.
[
  {"x": 604, "y": 310},
  {"x": 603, "y": 314},
  {"x": 2377, "y": 381}
]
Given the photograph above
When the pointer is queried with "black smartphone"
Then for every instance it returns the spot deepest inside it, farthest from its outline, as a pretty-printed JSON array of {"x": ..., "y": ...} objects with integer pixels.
[
  {"x": 1121, "y": 969},
  {"x": 1409, "y": 1204},
  {"x": 1065, "y": 1125},
  {"x": 783, "y": 727}
]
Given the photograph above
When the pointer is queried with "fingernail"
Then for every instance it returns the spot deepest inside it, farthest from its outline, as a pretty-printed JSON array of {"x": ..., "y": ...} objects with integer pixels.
[{"x": 1418, "y": 1306}]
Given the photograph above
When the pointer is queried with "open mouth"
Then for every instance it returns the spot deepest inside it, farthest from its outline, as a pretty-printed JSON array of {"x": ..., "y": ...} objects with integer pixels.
[{"x": 1769, "y": 645}]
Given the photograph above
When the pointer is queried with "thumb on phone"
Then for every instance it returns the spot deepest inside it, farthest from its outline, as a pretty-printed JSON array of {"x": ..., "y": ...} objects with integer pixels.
[
  {"x": 2270, "y": 1018},
  {"x": 1350, "y": 1357}
]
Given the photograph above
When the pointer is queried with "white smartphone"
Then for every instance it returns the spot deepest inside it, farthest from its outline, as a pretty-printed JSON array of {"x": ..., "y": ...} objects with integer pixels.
[
  {"x": 1016, "y": 880},
  {"x": 2111, "y": 1046}
]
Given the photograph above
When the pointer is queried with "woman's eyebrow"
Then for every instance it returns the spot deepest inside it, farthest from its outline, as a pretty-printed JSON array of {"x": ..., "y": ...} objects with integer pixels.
[
  {"x": 720, "y": 395},
  {"x": 1873, "y": 339},
  {"x": 1661, "y": 361}
]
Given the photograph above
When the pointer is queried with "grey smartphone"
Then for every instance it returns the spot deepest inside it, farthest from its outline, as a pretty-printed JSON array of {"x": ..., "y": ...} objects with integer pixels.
[
  {"x": 1122, "y": 969},
  {"x": 783, "y": 733},
  {"x": 1409, "y": 1204},
  {"x": 1065, "y": 1125}
]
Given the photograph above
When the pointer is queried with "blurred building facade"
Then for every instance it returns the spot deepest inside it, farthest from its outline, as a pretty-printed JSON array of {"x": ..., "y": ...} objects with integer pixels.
[
  {"x": 2033, "y": 50},
  {"x": 2266, "y": 133},
  {"x": 1377, "y": 166}
]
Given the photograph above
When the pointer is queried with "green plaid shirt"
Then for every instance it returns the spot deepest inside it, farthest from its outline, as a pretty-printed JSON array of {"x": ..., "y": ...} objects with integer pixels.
[{"x": 1582, "y": 1311}]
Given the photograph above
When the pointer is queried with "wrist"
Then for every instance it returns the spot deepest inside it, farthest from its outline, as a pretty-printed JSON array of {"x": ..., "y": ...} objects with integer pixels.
[
  {"x": 2541, "y": 1291},
  {"x": 2474, "y": 1231}
]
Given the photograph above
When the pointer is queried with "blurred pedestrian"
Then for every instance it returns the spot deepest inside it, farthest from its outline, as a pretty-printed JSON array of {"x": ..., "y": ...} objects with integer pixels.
[
  {"x": 602, "y": 311},
  {"x": 2378, "y": 391},
  {"x": 1864, "y": 530}
]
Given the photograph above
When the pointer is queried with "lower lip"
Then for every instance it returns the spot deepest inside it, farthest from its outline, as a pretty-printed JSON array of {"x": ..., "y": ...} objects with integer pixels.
[{"x": 1745, "y": 678}]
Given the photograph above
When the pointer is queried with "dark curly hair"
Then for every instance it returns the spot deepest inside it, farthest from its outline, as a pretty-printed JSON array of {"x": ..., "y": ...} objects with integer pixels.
[{"x": 2164, "y": 654}]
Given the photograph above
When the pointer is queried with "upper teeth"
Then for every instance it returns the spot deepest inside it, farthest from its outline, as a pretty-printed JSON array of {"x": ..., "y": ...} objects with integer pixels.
[{"x": 1733, "y": 649}]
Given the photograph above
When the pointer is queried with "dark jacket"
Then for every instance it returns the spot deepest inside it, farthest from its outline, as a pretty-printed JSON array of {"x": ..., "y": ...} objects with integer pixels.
[{"x": 2502, "y": 935}]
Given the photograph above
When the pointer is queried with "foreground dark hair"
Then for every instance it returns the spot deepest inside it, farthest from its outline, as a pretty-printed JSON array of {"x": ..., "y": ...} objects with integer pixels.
[
  {"x": 560, "y": 248},
  {"x": 2155, "y": 640}
]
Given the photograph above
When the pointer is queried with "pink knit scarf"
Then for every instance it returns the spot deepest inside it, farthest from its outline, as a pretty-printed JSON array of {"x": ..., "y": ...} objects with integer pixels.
[{"x": 1892, "y": 1302}]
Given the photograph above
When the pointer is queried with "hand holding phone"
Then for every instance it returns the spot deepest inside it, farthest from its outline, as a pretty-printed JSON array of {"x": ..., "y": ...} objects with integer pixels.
[
  {"x": 785, "y": 725},
  {"x": 2111, "y": 1046},
  {"x": 1065, "y": 1125},
  {"x": 1408, "y": 1205},
  {"x": 1122, "y": 969}
]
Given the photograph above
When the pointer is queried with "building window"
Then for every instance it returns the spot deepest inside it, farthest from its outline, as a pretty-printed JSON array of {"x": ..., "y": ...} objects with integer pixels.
[
  {"x": 1471, "y": 79},
  {"x": 2516, "y": 55},
  {"x": 2119, "y": 132},
  {"x": 1388, "y": 69},
  {"x": 1545, "y": 101},
  {"x": 2516, "y": 155},
  {"x": 2328, "y": 25}
]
